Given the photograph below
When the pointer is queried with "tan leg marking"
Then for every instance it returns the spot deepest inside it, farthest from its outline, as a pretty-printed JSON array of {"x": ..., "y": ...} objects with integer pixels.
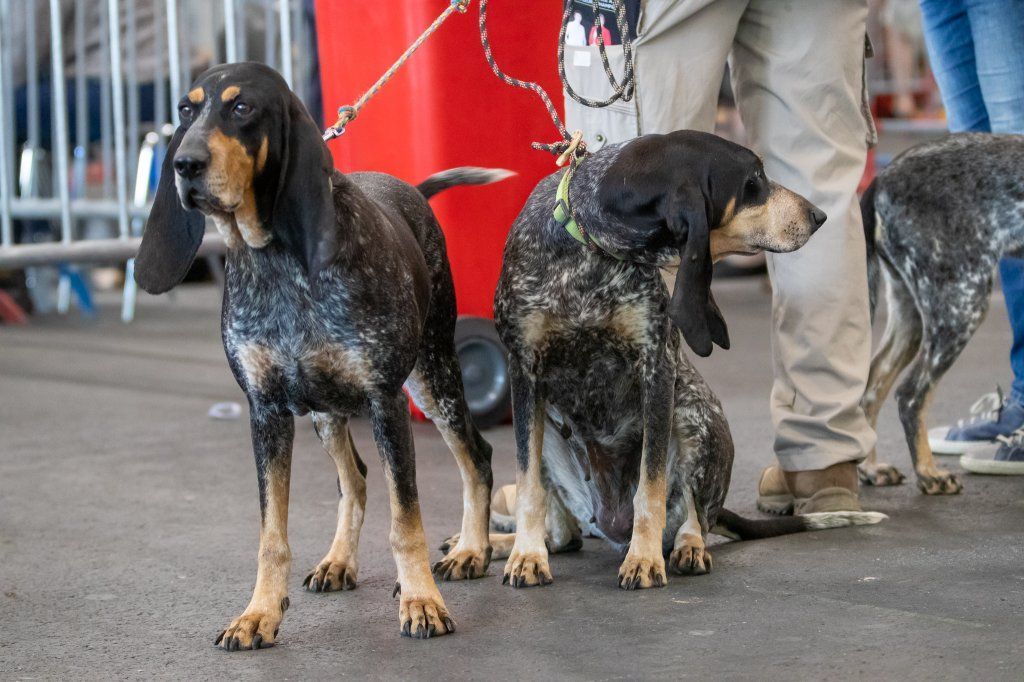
[
  {"x": 931, "y": 479},
  {"x": 258, "y": 624},
  {"x": 471, "y": 554},
  {"x": 339, "y": 569},
  {"x": 527, "y": 564},
  {"x": 644, "y": 565},
  {"x": 258, "y": 362},
  {"x": 501, "y": 544},
  {"x": 689, "y": 553},
  {"x": 900, "y": 343},
  {"x": 421, "y": 612}
]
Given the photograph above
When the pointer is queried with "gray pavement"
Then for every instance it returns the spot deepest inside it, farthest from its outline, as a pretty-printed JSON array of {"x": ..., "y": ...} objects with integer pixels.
[{"x": 128, "y": 535}]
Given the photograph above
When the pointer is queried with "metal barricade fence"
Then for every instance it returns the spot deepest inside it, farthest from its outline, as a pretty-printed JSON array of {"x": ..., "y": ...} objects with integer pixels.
[{"x": 50, "y": 191}]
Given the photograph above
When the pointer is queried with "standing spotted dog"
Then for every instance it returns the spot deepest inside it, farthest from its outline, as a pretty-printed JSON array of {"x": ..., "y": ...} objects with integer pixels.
[
  {"x": 617, "y": 434},
  {"x": 338, "y": 292}
]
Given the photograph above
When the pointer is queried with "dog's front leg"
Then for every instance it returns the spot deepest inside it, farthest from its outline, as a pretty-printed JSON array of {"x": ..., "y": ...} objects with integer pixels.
[
  {"x": 644, "y": 565},
  {"x": 272, "y": 435},
  {"x": 527, "y": 565},
  {"x": 421, "y": 613}
]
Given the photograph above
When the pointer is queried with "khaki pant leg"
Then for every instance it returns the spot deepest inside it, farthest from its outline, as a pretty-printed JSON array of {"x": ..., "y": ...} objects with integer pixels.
[
  {"x": 679, "y": 56},
  {"x": 797, "y": 71}
]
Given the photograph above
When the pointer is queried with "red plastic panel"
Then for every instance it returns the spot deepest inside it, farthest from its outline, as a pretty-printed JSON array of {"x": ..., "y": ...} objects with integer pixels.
[{"x": 446, "y": 108}]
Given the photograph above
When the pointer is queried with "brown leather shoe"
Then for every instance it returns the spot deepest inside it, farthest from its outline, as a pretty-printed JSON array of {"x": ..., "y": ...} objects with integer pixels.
[{"x": 831, "y": 489}]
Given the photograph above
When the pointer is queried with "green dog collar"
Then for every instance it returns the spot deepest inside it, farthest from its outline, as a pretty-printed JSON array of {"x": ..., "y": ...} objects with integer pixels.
[{"x": 563, "y": 216}]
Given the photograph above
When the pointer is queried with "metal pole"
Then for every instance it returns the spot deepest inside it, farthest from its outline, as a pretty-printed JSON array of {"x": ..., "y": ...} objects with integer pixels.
[
  {"x": 240, "y": 37},
  {"x": 120, "y": 163},
  {"x": 269, "y": 53},
  {"x": 173, "y": 58},
  {"x": 60, "y": 120},
  {"x": 131, "y": 50},
  {"x": 296, "y": 46},
  {"x": 141, "y": 193},
  {"x": 32, "y": 72},
  {"x": 106, "y": 115},
  {"x": 230, "y": 38},
  {"x": 285, "y": 18},
  {"x": 90, "y": 251},
  {"x": 6, "y": 146},
  {"x": 159, "y": 76},
  {"x": 81, "y": 102}
]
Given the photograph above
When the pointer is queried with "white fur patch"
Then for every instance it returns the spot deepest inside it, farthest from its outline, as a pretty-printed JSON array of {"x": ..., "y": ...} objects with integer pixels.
[{"x": 841, "y": 519}]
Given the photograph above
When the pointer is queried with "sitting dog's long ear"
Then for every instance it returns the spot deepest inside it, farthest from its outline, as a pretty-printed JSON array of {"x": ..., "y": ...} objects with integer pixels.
[
  {"x": 692, "y": 307},
  {"x": 303, "y": 211},
  {"x": 172, "y": 235}
]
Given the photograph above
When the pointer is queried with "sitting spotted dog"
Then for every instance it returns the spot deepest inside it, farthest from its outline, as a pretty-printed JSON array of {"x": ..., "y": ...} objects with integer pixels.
[
  {"x": 617, "y": 435},
  {"x": 338, "y": 292}
]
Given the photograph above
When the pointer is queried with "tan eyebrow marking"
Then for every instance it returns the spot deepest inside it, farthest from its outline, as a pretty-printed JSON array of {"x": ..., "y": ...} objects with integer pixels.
[
  {"x": 229, "y": 93},
  {"x": 197, "y": 96}
]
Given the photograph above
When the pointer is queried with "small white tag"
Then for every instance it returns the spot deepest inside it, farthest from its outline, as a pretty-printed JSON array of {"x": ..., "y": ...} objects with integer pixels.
[{"x": 581, "y": 58}]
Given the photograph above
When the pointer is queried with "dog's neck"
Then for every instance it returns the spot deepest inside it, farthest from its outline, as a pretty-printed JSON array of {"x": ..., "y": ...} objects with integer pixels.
[{"x": 609, "y": 231}]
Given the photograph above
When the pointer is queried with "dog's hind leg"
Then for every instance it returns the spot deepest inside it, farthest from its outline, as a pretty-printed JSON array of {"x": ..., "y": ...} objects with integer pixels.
[
  {"x": 272, "y": 435},
  {"x": 563, "y": 533},
  {"x": 900, "y": 342},
  {"x": 339, "y": 569},
  {"x": 914, "y": 396},
  {"x": 527, "y": 564},
  {"x": 436, "y": 386},
  {"x": 690, "y": 555},
  {"x": 422, "y": 613}
]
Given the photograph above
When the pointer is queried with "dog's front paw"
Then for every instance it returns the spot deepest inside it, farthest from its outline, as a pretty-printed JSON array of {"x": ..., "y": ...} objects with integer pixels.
[
  {"x": 526, "y": 569},
  {"x": 424, "y": 616},
  {"x": 638, "y": 572},
  {"x": 880, "y": 474},
  {"x": 462, "y": 563},
  {"x": 690, "y": 556},
  {"x": 938, "y": 482},
  {"x": 252, "y": 630},
  {"x": 331, "y": 575}
]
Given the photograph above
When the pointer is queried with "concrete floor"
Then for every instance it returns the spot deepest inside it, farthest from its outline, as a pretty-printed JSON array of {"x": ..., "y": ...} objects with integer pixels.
[{"x": 128, "y": 534}]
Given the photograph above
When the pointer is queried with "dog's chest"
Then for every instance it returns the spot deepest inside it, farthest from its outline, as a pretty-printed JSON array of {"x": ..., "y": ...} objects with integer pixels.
[{"x": 290, "y": 349}]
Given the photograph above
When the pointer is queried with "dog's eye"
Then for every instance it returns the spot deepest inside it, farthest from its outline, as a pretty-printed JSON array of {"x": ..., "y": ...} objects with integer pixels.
[
  {"x": 753, "y": 185},
  {"x": 241, "y": 109},
  {"x": 185, "y": 112}
]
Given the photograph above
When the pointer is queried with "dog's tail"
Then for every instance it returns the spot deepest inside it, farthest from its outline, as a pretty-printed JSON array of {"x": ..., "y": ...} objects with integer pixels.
[
  {"x": 732, "y": 525},
  {"x": 868, "y": 216},
  {"x": 465, "y": 175}
]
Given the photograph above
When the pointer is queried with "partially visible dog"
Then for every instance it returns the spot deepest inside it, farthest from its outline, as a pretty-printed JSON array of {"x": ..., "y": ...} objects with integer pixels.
[
  {"x": 937, "y": 221},
  {"x": 616, "y": 433},
  {"x": 337, "y": 292}
]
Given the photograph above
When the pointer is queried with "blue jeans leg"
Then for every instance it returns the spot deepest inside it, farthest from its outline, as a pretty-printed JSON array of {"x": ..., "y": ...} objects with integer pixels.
[
  {"x": 998, "y": 30},
  {"x": 997, "y": 27},
  {"x": 947, "y": 32}
]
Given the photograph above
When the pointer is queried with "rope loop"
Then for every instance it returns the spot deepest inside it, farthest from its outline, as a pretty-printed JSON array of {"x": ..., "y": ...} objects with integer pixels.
[{"x": 571, "y": 147}]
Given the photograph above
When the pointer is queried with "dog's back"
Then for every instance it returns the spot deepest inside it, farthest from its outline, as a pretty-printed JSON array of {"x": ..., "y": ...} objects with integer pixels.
[{"x": 937, "y": 220}]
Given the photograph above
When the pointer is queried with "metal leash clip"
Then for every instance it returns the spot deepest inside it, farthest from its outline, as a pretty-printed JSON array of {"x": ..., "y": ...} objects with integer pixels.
[{"x": 346, "y": 115}]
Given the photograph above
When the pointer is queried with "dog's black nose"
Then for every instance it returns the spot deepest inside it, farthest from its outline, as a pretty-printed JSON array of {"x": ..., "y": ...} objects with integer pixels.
[
  {"x": 189, "y": 166},
  {"x": 818, "y": 217}
]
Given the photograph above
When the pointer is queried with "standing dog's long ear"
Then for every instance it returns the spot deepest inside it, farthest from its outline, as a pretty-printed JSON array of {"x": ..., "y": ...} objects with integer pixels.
[
  {"x": 692, "y": 307},
  {"x": 173, "y": 233},
  {"x": 303, "y": 209}
]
